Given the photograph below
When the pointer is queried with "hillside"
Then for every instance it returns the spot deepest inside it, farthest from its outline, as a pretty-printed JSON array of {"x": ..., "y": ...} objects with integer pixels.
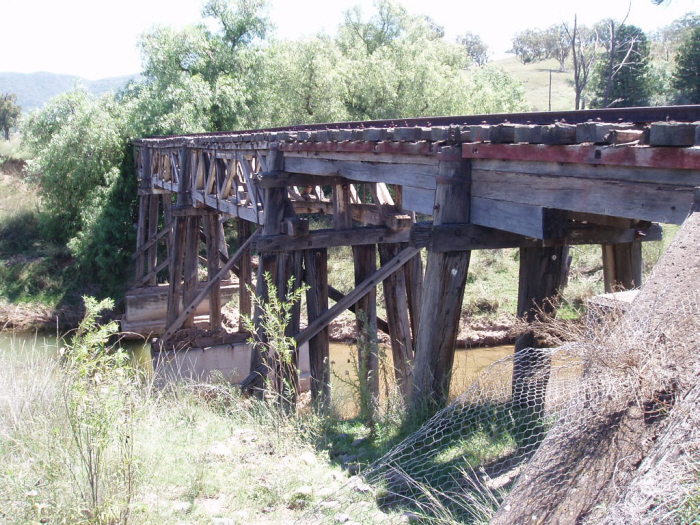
[
  {"x": 34, "y": 89},
  {"x": 535, "y": 77}
]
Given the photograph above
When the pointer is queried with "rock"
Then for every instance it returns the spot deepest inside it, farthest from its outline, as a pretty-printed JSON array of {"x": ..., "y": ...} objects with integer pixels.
[
  {"x": 348, "y": 458},
  {"x": 359, "y": 441},
  {"x": 308, "y": 458},
  {"x": 342, "y": 518},
  {"x": 220, "y": 450},
  {"x": 224, "y": 521},
  {"x": 353, "y": 469},
  {"x": 326, "y": 491},
  {"x": 181, "y": 506}
]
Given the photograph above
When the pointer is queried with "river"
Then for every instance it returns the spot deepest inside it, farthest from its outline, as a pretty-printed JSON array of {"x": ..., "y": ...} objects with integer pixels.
[{"x": 469, "y": 363}]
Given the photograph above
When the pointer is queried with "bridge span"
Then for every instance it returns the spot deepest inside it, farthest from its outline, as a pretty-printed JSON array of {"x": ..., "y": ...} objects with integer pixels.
[{"x": 539, "y": 182}]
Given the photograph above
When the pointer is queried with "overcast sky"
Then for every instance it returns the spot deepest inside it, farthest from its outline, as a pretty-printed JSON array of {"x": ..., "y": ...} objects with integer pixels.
[{"x": 97, "y": 38}]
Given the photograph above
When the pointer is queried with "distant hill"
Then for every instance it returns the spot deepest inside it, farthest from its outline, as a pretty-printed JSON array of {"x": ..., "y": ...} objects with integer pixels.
[
  {"x": 34, "y": 89},
  {"x": 535, "y": 78}
]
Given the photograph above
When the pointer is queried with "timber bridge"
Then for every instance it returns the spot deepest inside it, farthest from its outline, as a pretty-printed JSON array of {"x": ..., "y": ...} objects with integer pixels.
[{"x": 448, "y": 185}]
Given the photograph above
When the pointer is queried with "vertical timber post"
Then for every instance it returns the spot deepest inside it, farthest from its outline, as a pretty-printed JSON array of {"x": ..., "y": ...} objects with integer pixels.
[
  {"x": 152, "y": 254},
  {"x": 245, "y": 275},
  {"x": 178, "y": 251},
  {"x": 141, "y": 234},
  {"x": 273, "y": 207},
  {"x": 443, "y": 288},
  {"x": 316, "y": 277},
  {"x": 622, "y": 266},
  {"x": 540, "y": 279},
  {"x": 397, "y": 316},
  {"x": 213, "y": 246},
  {"x": 189, "y": 290}
]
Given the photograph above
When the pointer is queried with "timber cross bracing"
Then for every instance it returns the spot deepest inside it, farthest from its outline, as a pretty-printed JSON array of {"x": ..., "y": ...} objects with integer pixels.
[{"x": 475, "y": 183}]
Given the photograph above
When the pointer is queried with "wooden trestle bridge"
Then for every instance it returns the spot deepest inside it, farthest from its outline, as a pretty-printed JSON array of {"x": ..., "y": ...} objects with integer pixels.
[{"x": 537, "y": 181}]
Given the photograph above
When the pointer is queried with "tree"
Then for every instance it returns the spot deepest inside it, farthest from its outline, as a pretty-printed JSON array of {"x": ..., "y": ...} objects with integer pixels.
[
  {"x": 10, "y": 112},
  {"x": 624, "y": 74},
  {"x": 557, "y": 44},
  {"x": 584, "y": 52},
  {"x": 668, "y": 39},
  {"x": 529, "y": 46},
  {"x": 476, "y": 49},
  {"x": 686, "y": 77}
]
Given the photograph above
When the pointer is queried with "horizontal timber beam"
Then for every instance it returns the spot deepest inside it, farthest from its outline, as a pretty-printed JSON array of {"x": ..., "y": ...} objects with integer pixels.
[
  {"x": 330, "y": 239},
  {"x": 526, "y": 219},
  {"x": 639, "y": 156},
  {"x": 280, "y": 179},
  {"x": 466, "y": 237},
  {"x": 417, "y": 175}
]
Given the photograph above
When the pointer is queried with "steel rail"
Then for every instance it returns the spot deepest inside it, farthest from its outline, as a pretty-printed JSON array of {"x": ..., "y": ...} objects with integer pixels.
[{"x": 638, "y": 115}]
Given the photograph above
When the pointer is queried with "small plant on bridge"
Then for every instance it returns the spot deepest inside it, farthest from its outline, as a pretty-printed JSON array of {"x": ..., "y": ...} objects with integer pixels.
[{"x": 274, "y": 343}]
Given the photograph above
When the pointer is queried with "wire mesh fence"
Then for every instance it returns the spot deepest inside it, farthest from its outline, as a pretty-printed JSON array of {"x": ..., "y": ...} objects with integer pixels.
[{"x": 460, "y": 464}]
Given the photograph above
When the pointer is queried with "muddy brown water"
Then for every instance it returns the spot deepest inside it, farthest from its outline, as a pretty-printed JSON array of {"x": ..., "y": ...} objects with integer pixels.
[{"x": 469, "y": 363}]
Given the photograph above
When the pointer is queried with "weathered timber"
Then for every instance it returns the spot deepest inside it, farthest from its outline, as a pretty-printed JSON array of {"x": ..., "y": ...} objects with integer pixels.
[
  {"x": 331, "y": 238},
  {"x": 359, "y": 291},
  {"x": 526, "y": 219},
  {"x": 365, "y": 262},
  {"x": 316, "y": 278},
  {"x": 396, "y": 301},
  {"x": 443, "y": 290},
  {"x": 191, "y": 307},
  {"x": 458, "y": 237},
  {"x": 189, "y": 211},
  {"x": 245, "y": 276},
  {"x": 167, "y": 229},
  {"x": 152, "y": 274},
  {"x": 212, "y": 244},
  {"x": 414, "y": 292},
  {"x": 673, "y": 133},
  {"x": 141, "y": 234},
  {"x": 176, "y": 261},
  {"x": 281, "y": 179},
  {"x": 641, "y": 156},
  {"x": 151, "y": 257},
  {"x": 622, "y": 266},
  {"x": 598, "y": 132},
  {"x": 652, "y": 202},
  {"x": 191, "y": 262},
  {"x": 417, "y": 175},
  {"x": 169, "y": 221},
  {"x": 336, "y": 295},
  {"x": 605, "y": 173}
]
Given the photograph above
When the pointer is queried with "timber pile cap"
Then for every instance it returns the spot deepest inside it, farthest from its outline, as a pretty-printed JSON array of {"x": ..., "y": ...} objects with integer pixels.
[{"x": 657, "y": 126}]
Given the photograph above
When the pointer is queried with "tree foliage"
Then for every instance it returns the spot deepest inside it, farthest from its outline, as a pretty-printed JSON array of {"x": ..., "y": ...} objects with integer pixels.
[
  {"x": 476, "y": 48},
  {"x": 533, "y": 45},
  {"x": 229, "y": 75},
  {"x": 624, "y": 79},
  {"x": 686, "y": 77},
  {"x": 10, "y": 113}
]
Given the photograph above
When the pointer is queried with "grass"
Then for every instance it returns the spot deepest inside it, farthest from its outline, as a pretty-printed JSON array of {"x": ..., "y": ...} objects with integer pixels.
[
  {"x": 34, "y": 273},
  {"x": 535, "y": 78},
  {"x": 198, "y": 452}
]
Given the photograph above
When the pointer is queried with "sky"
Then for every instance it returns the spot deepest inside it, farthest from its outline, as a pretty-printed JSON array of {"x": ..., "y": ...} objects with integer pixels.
[{"x": 96, "y": 39}]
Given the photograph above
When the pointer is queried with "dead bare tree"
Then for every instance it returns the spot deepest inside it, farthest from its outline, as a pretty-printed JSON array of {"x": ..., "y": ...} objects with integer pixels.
[{"x": 584, "y": 52}]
